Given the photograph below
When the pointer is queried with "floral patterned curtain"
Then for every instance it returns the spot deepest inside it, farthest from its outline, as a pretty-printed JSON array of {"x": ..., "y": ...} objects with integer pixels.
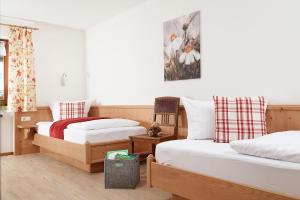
[{"x": 21, "y": 86}]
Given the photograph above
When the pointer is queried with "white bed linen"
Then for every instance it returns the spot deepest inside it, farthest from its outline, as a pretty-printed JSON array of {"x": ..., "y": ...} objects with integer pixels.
[
  {"x": 220, "y": 161},
  {"x": 102, "y": 135},
  {"x": 103, "y": 124},
  {"x": 93, "y": 136},
  {"x": 280, "y": 146}
]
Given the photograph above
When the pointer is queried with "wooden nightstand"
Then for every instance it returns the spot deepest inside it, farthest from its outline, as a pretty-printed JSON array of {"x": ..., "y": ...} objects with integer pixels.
[
  {"x": 150, "y": 140},
  {"x": 27, "y": 129}
]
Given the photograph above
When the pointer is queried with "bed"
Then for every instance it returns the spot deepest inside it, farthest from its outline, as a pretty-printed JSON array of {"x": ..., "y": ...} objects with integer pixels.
[
  {"x": 80, "y": 136},
  {"x": 201, "y": 169},
  {"x": 81, "y": 148},
  {"x": 86, "y": 156}
]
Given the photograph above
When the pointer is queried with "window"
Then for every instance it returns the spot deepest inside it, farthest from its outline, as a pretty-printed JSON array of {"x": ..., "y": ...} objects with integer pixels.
[{"x": 3, "y": 71}]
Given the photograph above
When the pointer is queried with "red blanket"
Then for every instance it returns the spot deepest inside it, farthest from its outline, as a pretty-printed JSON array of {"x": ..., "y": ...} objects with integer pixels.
[{"x": 58, "y": 127}]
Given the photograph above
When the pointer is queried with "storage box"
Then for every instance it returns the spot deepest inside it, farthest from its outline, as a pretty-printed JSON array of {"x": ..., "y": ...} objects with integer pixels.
[{"x": 122, "y": 173}]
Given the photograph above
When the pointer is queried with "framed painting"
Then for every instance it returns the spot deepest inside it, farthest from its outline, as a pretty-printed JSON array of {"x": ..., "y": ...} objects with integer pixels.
[{"x": 182, "y": 48}]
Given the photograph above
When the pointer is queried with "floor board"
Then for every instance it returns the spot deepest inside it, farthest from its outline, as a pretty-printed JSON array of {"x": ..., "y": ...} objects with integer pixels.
[{"x": 36, "y": 176}]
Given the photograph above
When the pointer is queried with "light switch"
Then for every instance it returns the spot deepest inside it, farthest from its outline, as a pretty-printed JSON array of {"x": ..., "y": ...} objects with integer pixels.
[{"x": 25, "y": 118}]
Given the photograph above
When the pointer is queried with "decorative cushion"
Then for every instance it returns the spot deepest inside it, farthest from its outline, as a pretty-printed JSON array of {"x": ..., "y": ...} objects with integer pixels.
[
  {"x": 200, "y": 116},
  {"x": 56, "y": 109},
  {"x": 239, "y": 118},
  {"x": 71, "y": 110}
]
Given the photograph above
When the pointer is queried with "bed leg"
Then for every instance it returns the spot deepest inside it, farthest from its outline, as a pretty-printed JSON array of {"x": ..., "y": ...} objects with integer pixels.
[{"x": 150, "y": 159}]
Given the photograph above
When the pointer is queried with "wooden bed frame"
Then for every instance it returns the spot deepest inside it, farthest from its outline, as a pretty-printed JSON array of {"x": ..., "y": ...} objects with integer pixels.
[
  {"x": 88, "y": 157},
  {"x": 187, "y": 185},
  {"x": 141, "y": 113}
]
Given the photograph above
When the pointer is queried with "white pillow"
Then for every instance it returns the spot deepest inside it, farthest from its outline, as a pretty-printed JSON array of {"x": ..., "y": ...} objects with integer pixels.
[
  {"x": 103, "y": 124},
  {"x": 56, "y": 110},
  {"x": 280, "y": 146},
  {"x": 201, "y": 118}
]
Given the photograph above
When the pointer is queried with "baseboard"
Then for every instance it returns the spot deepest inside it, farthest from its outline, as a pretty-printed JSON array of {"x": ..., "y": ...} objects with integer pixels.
[{"x": 6, "y": 154}]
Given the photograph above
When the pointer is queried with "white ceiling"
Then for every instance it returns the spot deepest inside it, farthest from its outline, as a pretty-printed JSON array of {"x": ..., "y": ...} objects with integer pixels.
[{"x": 80, "y": 14}]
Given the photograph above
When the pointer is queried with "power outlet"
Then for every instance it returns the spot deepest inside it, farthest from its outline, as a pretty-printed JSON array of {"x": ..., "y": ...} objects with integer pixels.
[{"x": 25, "y": 118}]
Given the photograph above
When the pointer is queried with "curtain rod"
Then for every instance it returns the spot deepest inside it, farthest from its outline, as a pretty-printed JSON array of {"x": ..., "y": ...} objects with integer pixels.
[{"x": 27, "y": 27}]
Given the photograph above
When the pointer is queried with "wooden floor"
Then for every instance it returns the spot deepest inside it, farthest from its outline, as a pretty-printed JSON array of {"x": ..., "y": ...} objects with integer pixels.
[{"x": 38, "y": 177}]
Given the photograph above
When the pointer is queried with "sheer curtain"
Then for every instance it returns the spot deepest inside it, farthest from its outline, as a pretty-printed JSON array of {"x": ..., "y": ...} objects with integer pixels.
[{"x": 21, "y": 86}]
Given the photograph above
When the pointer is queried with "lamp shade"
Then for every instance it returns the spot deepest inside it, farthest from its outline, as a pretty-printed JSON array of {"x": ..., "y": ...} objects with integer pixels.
[{"x": 2, "y": 49}]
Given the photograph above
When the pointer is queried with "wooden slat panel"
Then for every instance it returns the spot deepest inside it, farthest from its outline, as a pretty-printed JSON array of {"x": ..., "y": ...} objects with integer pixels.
[
  {"x": 276, "y": 121},
  {"x": 293, "y": 120},
  {"x": 279, "y": 117},
  {"x": 141, "y": 113},
  {"x": 283, "y": 118}
]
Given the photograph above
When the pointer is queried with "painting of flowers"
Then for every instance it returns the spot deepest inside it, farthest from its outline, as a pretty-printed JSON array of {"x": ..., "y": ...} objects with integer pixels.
[{"x": 182, "y": 47}]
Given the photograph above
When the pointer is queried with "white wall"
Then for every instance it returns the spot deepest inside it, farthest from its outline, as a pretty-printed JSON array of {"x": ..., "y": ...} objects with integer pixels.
[
  {"x": 58, "y": 50},
  {"x": 247, "y": 48}
]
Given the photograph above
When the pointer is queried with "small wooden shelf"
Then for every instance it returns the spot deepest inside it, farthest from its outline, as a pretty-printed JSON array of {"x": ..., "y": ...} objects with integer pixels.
[
  {"x": 27, "y": 129},
  {"x": 26, "y": 126}
]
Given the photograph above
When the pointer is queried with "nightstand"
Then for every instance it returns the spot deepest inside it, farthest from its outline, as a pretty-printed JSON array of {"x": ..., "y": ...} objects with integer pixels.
[
  {"x": 27, "y": 129},
  {"x": 150, "y": 140}
]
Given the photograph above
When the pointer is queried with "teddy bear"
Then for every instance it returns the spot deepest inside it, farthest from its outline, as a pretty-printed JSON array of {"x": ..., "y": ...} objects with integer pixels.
[{"x": 154, "y": 130}]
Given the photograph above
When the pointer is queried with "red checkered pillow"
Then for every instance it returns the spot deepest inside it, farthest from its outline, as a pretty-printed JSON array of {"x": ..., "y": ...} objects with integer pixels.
[
  {"x": 70, "y": 110},
  {"x": 239, "y": 118}
]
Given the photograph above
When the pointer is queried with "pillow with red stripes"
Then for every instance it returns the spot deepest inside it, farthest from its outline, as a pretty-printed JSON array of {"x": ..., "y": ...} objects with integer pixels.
[
  {"x": 239, "y": 118},
  {"x": 71, "y": 110}
]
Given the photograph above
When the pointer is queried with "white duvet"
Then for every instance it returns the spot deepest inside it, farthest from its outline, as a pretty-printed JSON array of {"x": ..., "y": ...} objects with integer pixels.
[
  {"x": 280, "y": 146},
  {"x": 102, "y": 124}
]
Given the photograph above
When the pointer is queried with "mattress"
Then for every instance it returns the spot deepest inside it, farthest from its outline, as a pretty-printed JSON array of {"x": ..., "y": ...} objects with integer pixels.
[
  {"x": 93, "y": 136},
  {"x": 43, "y": 128},
  {"x": 220, "y": 161}
]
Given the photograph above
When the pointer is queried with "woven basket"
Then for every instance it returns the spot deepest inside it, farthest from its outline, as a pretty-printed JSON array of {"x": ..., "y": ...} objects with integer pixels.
[{"x": 122, "y": 173}]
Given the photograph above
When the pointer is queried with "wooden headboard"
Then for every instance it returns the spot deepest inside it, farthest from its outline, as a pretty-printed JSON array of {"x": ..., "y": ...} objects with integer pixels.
[
  {"x": 283, "y": 118},
  {"x": 279, "y": 118}
]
